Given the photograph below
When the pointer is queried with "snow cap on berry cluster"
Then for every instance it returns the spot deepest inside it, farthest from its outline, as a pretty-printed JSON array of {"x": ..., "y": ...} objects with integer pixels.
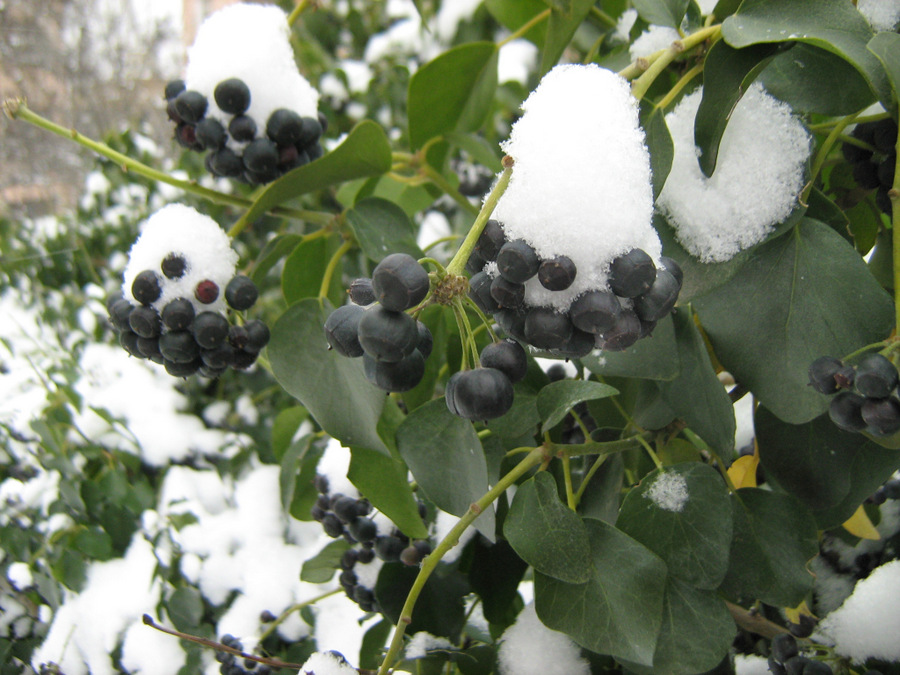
[
  {"x": 867, "y": 624},
  {"x": 528, "y": 647},
  {"x": 580, "y": 186},
  {"x": 326, "y": 663},
  {"x": 760, "y": 172},
  {"x": 204, "y": 246},
  {"x": 250, "y": 42}
]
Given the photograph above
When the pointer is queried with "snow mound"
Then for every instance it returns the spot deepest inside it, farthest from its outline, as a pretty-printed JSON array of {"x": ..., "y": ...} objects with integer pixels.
[
  {"x": 882, "y": 15},
  {"x": 528, "y": 647}
]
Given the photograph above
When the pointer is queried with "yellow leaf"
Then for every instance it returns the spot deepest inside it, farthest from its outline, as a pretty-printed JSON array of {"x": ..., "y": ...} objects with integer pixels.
[
  {"x": 793, "y": 614},
  {"x": 743, "y": 471},
  {"x": 860, "y": 526}
]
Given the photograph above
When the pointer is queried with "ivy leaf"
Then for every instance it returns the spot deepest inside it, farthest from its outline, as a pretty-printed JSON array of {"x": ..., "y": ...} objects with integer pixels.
[
  {"x": 556, "y": 399},
  {"x": 696, "y": 395},
  {"x": 651, "y": 359},
  {"x": 886, "y": 48},
  {"x": 692, "y": 541},
  {"x": 797, "y": 307},
  {"x": 662, "y": 12},
  {"x": 829, "y": 470},
  {"x": 696, "y": 632},
  {"x": 321, "y": 567},
  {"x": 833, "y": 25},
  {"x": 774, "y": 538},
  {"x": 305, "y": 267},
  {"x": 381, "y": 228},
  {"x": 333, "y": 388},
  {"x": 624, "y": 596},
  {"x": 439, "y": 609},
  {"x": 185, "y": 608},
  {"x": 444, "y": 454},
  {"x": 561, "y": 26},
  {"x": 452, "y": 92},
  {"x": 546, "y": 534},
  {"x": 514, "y": 15},
  {"x": 365, "y": 152},
  {"x": 275, "y": 249},
  {"x": 727, "y": 73},
  {"x": 495, "y": 573},
  {"x": 285, "y": 427},
  {"x": 659, "y": 143}
]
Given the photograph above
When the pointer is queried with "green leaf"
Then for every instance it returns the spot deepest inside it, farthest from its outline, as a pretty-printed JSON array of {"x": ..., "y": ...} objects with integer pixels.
[
  {"x": 829, "y": 470},
  {"x": 833, "y": 25},
  {"x": 659, "y": 143},
  {"x": 513, "y": 14},
  {"x": 556, "y": 399},
  {"x": 365, "y": 152},
  {"x": 439, "y": 608},
  {"x": 522, "y": 418},
  {"x": 94, "y": 543},
  {"x": 774, "y": 538},
  {"x": 886, "y": 48},
  {"x": 662, "y": 12},
  {"x": 727, "y": 73},
  {"x": 185, "y": 608},
  {"x": 285, "y": 426},
  {"x": 696, "y": 632},
  {"x": 813, "y": 80},
  {"x": 70, "y": 569},
  {"x": 495, "y": 573},
  {"x": 275, "y": 249},
  {"x": 800, "y": 296},
  {"x": 651, "y": 359},
  {"x": 561, "y": 26},
  {"x": 445, "y": 457},
  {"x": 546, "y": 534},
  {"x": 298, "y": 476},
  {"x": 696, "y": 395},
  {"x": 486, "y": 154},
  {"x": 601, "y": 498},
  {"x": 333, "y": 388},
  {"x": 383, "y": 481},
  {"x": 693, "y": 541},
  {"x": 371, "y": 652},
  {"x": 305, "y": 268},
  {"x": 381, "y": 228},
  {"x": 624, "y": 596},
  {"x": 452, "y": 92},
  {"x": 321, "y": 567}
]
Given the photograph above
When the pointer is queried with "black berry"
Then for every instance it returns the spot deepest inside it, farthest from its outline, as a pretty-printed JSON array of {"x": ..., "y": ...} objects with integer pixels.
[
  {"x": 480, "y": 394},
  {"x": 881, "y": 415},
  {"x": 225, "y": 163},
  {"x": 545, "y": 328},
  {"x": 210, "y": 329},
  {"x": 845, "y": 411},
  {"x": 145, "y": 287},
  {"x": 144, "y": 321},
  {"x": 397, "y": 376},
  {"x": 173, "y": 88},
  {"x": 660, "y": 299},
  {"x": 232, "y": 96},
  {"x": 508, "y": 357},
  {"x": 821, "y": 374},
  {"x": 178, "y": 314},
  {"x": 490, "y": 240},
  {"x": 557, "y": 274},
  {"x": 182, "y": 369},
  {"x": 517, "y": 261},
  {"x": 632, "y": 273},
  {"x": 284, "y": 127},
  {"x": 389, "y": 547},
  {"x": 361, "y": 291},
  {"x": 426, "y": 340},
  {"x": 626, "y": 331},
  {"x": 595, "y": 311},
  {"x": 507, "y": 294},
  {"x": 341, "y": 330},
  {"x": 191, "y": 106},
  {"x": 784, "y": 646},
  {"x": 241, "y": 293},
  {"x": 876, "y": 376},
  {"x": 242, "y": 128},
  {"x": 179, "y": 346},
  {"x": 173, "y": 266},
  {"x": 261, "y": 156},
  {"x": 119, "y": 313},
  {"x": 399, "y": 282},
  {"x": 257, "y": 336},
  {"x": 386, "y": 335},
  {"x": 210, "y": 134},
  {"x": 480, "y": 292}
]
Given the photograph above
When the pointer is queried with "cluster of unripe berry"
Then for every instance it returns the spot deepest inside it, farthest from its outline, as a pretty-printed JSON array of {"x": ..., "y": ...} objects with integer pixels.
[
  {"x": 874, "y": 166},
  {"x": 254, "y": 156},
  {"x": 180, "y": 338},
  {"x": 229, "y": 662},
  {"x": 865, "y": 395},
  {"x": 638, "y": 295},
  {"x": 347, "y": 517},
  {"x": 376, "y": 327}
]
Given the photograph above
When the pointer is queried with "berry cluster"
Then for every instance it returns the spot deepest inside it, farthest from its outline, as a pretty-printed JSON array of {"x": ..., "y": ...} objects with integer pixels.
[
  {"x": 636, "y": 296},
  {"x": 229, "y": 662},
  {"x": 376, "y": 327},
  {"x": 236, "y": 147},
  {"x": 487, "y": 392},
  {"x": 178, "y": 337},
  {"x": 786, "y": 659},
  {"x": 865, "y": 395},
  {"x": 343, "y": 516},
  {"x": 874, "y": 166}
]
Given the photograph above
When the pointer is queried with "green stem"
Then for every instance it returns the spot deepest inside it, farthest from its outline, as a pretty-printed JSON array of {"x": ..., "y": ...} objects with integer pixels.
[
  {"x": 822, "y": 153},
  {"x": 297, "y": 11},
  {"x": 294, "y": 608},
  {"x": 587, "y": 478},
  {"x": 435, "y": 177},
  {"x": 469, "y": 338},
  {"x": 465, "y": 249},
  {"x": 438, "y": 242},
  {"x": 640, "y": 86},
  {"x": 525, "y": 27},
  {"x": 17, "y": 109},
  {"x": 430, "y": 563},
  {"x": 485, "y": 321},
  {"x": 567, "y": 478},
  {"x": 666, "y": 100},
  {"x": 332, "y": 265},
  {"x": 651, "y": 452},
  {"x": 600, "y": 448},
  {"x": 861, "y": 119}
]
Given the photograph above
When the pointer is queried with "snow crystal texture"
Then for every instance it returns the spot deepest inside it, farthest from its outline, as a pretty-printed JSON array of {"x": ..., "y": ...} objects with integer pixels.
[
  {"x": 252, "y": 43},
  {"x": 581, "y": 182},
  {"x": 199, "y": 239},
  {"x": 669, "y": 491},
  {"x": 652, "y": 40},
  {"x": 759, "y": 174},
  {"x": 323, "y": 663},
  {"x": 881, "y": 14},
  {"x": 528, "y": 647},
  {"x": 868, "y": 623}
]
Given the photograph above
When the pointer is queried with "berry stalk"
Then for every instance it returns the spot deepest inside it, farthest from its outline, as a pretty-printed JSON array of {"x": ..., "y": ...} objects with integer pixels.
[
  {"x": 661, "y": 60},
  {"x": 534, "y": 457},
  {"x": 17, "y": 109},
  {"x": 465, "y": 249}
]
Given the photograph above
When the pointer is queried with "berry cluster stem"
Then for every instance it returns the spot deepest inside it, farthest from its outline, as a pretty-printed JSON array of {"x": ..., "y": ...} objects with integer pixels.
[
  {"x": 822, "y": 154},
  {"x": 534, "y": 457},
  {"x": 458, "y": 263},
  {"x": 17, "y": 109},
  {"x": 659, "y": 61}
]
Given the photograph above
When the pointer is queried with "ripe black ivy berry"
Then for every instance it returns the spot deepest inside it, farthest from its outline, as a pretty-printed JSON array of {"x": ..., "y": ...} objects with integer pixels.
[
  {"x": 517, "y": 261},
  {"x": 191, "y": 106},
  {"x": 480, "y": 394},
  {"x": 361, "y": 291},
  {"x": 399, "y": 282},
  {"x": 342, "y": 330},
  {"x": 145, "y": 288},
  {"x": 595, "y": 311},
  {"x": 386, "y": 335},
  {"x": 557, "y": 274},
  {"x": 632, "y": 273},
  {"x": 508, "y": 357},
  {"x": 876, "y": 376},
  {"x": 241, "y": 293},
  {"x": 232, "y": 96}
]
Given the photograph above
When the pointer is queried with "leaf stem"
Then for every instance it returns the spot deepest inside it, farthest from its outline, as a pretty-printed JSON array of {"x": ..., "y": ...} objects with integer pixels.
[
  {"x": 297, "y": 11},
  {"x": 438, "y": 179},
  {"x": 18, "y": 109},
  {"x": 332, "y": 265},
  {"x": 294, "y": 608},
  {"x": 661, "y": 60},
  {"x": 666, "y": 100},
  {"x": 465, "y": 249},
  {"x": 587, "y": 478},
  {"x": 525, "y": 27},
  {"x": 822, "y": 153},
  {"x": 567, "y": 478},
  {"x": 430, "y": 563}
]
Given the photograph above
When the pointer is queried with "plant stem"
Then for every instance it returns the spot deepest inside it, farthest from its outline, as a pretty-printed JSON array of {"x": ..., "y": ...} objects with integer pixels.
[
  {"x": 651, "y": 453},
  {"x": 18, "y": 109},
  {"x": 587, "y": 478},
  {"x": 430, "y": 563},
  {"x": 525, "y": 27},
  {"x": 640, "y": 86},
  {"x": 465, "y": 249},
  {"x": 295, "y": 608},
  {"x": 666, "y": 100},
  {"x": 297, "y": 11},
  {"x": 435, "y": 177},
  {"x": 332, "y": 265},
  {"x": 823, "y": 152},
  {"x": 567, "y": 478}
]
